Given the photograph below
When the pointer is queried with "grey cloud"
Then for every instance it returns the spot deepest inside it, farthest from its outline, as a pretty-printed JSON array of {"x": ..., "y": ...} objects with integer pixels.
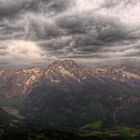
[
  {"x": 10, "y": 7},
  {"x": 42, "y": 30},
  {"x": 72, "y": 24},
  {"x": 35, "y": 17},
  {"x": 69, "y": 24},
  {"x": 62, "y": 31},
  {"x": 114, "y": 3},
  {"x": 85, "y": 34},
  {"x": 105, "y": 29},
  {"x": 14, "y": 7},
  {"x": 11, "y": 29},
  {"x": 48, "y": 6}
]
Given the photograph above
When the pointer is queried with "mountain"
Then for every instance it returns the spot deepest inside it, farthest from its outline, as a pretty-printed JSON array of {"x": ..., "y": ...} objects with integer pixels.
[
  {"x": 123, "y": 73},
  {"x": 69, "y": 95},
  {"x": 61, "y": 72},
  {"x": 68, "y": 74},
  {"x": 64, "y": 74},
  {"x": 18, "y": 82}
]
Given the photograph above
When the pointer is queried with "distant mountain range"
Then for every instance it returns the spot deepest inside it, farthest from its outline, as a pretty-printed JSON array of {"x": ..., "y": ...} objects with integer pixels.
[
  {"x": 19, "y": 82},
  {"x": 70, "y": 95},
  {"x": 98, "y": 102}
]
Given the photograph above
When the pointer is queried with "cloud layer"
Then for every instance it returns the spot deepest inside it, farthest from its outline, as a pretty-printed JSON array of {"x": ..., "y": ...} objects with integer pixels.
[{"x": 95, "y": 31}]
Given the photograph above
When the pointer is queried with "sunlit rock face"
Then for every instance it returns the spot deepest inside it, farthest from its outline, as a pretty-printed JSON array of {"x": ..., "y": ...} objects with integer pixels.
[
  {"x": 67, "y": 73},
  {"x": 69, "y": 94},
  {"x": 18, "y": 82},
  {"x": 123, "y": 73}
]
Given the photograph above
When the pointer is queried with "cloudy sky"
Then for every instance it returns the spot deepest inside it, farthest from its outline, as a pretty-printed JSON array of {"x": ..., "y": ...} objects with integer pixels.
[{"x": 90, "y": 31}]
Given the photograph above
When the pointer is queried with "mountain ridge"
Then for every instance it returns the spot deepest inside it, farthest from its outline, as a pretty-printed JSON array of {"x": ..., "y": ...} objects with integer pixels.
[
  {"x": 19, "y": 82},
  {"x": 63, "y": 100}
]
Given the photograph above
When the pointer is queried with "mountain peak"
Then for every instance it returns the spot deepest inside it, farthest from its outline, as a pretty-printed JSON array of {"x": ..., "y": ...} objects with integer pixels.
[
  {"x": 123, "y": 73},
  {"x": 63, "y": 70}
]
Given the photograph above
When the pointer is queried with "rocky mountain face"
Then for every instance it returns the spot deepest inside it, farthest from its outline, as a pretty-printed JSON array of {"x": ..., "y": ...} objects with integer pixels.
[
  {"x": 18, "y": 82},
  {"x": 60, "y": 74},
  {"x": 123, "y": 73},
  {"x": 70, "y": 95},
  {"x": 61, "y": 71},
  {"x": 69, "y": 74}
]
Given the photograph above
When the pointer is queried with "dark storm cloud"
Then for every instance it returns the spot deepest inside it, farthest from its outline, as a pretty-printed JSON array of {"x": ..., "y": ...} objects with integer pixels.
[
  {"x": 63, "y": 29},
  {"x": 81, "y": 24},
  {"x": 31, "y": 15},
  {"x": 114, "y": 3},
  {"x": 85, "y": 34},
  {"x": 50, "y": 5},
  {"x": 11, "y": 7}
]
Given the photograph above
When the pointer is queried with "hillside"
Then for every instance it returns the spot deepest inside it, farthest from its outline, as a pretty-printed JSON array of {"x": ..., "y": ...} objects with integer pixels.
[
  {"x": 70, "y": 95},
  {"x": 67, "y": 98}
]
